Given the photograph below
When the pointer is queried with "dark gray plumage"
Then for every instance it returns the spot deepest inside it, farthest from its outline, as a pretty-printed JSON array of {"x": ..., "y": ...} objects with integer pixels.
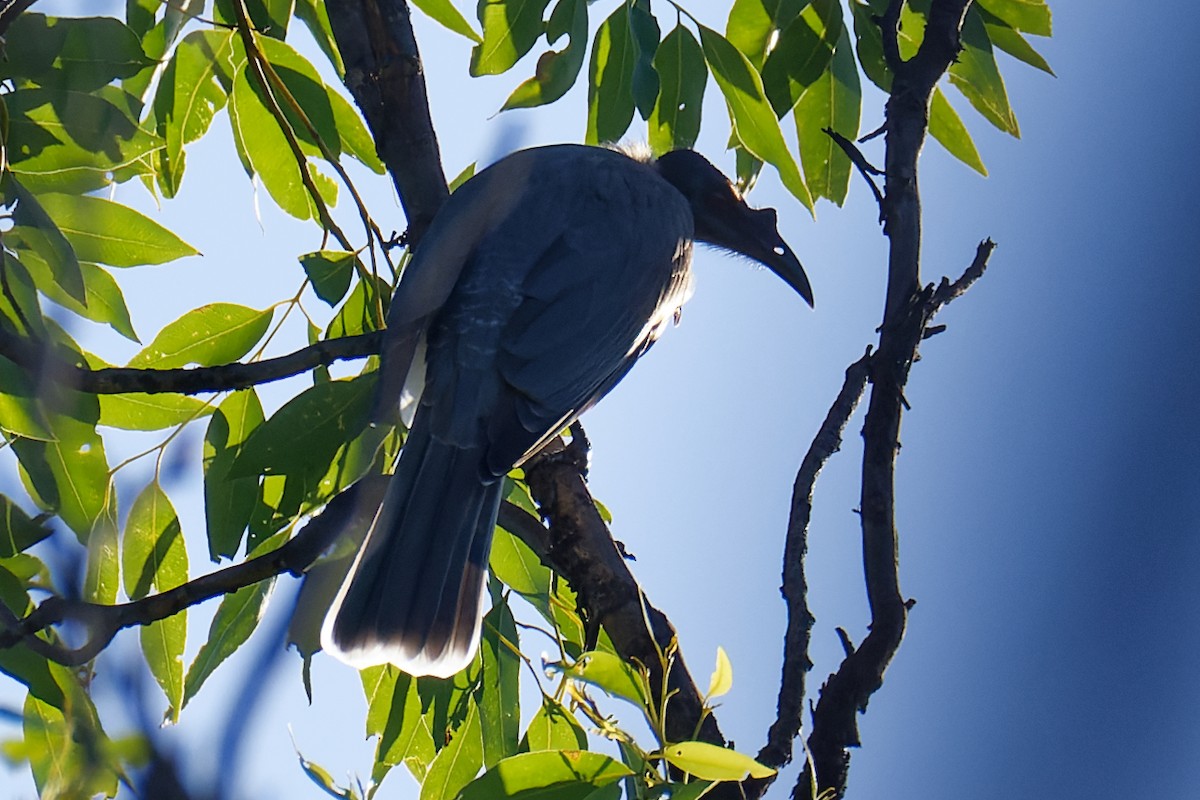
[{"x": 539, "y": 284}]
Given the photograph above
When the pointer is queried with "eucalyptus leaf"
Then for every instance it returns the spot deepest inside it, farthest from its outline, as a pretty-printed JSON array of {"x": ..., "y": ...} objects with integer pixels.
[{"x": 218, "y": 333}]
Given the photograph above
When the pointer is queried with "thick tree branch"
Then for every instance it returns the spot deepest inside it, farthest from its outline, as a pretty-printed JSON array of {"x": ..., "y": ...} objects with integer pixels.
[
  {"x": 42, "y": 359},
  {"x": 10, "y": 10},
  {"x": 386, "y": 78}
]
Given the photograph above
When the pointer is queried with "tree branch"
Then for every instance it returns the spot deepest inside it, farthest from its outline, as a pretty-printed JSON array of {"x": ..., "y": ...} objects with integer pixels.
[
  {"x": 778, "y": 750},
  {"x": 43, "y": 359},
  {"x": 386, "y": 78},
  {"x": 907, "y": 312},
  {"x": 10, "y": 10}
]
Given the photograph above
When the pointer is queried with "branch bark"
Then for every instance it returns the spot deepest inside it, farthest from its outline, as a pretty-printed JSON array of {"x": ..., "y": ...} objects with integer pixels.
[{"x": 907, "y": 313}]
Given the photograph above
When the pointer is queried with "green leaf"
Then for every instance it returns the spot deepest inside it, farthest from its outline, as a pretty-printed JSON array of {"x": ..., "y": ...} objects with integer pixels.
[
  {"x": 554, "y": 728},
  {"x": 556, "y": 70},
  {"x": 321, "y": 777},
  {"x": 946, "y": 127},
  {"x": 20, "y": 413},
  {"x": 1031, "y": 16},
  {"x": 457, "y": 763},
  {"x": 510, "y": 29},
  {"x": 394, "y": 715},
  {"x": 833, "y": 101},
  {"x": 803, "y": 54},
  {"x": 722, "y": 678},
  {"x": 316, "y": 18},
  {"x": 153, "y": 556},
  {"x": 218, "y": 333},
  {"x": 330, "y": 272},
  {"x": 109, "y": 233},
  {"x": 445, "y": 14},
  {"x": 675, "y": 121},
  {"x": 83, "y": 54},
  {"x": 613, "y": 675},
  {"x": 38, "y": 233},
  {"x": 1012, "y": 42},
  {"x": 68, "y": 141},
  {"x": 308, "y": 429},
  {"x": 610, "y": 80},
  {"x": 70, "y": 472},
  {"x": 518, "y": 567},
  {"x": 644, "y": 37},
  {"x": 976, "y": 75},
  {"x": 27, "y": 667},
  {"x": 754, "y": 122},
  {"x": 150, "y": 412},
  {"x": 269, "y": 17},
  {"x": 558, "y": 774},
  {"x": 102, "y": 572},
  {"x": 236, "y": 618},
  {"x": 67, "y": 753},
  {"x": 18, "y": 532},
  {"x": 105, "y": 302},
  {"x": 194, "y": 87},
  {"x": 228, "y": 501},
  {"x": 361, "y": 313},
  {"x": 499, "y": 698},
  {"x": 752, "y": 24},
  {"x": 869, "y": 44},
  {"x": 713, "y": 763},
  {"x": 264, "y": 148}
]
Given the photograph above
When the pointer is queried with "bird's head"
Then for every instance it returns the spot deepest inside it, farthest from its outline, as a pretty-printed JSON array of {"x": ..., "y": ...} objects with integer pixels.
[{"x": 723, "y": 219}]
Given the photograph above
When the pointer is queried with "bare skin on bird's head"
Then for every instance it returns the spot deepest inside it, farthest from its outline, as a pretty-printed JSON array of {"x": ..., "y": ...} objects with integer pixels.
[{"x": 540, "y": 283}]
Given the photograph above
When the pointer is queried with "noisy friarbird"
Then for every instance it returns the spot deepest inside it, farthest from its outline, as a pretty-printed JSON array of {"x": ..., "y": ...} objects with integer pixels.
[{"x": 539, "y": 284}]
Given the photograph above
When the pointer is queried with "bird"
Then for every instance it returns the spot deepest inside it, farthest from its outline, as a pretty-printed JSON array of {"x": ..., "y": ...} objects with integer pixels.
[{"x": 538, "y": 285}]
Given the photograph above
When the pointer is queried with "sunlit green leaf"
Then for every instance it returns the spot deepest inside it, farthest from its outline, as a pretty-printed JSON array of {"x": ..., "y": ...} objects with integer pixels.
[
  {"x": 558, "y": 774},
  {"x": 803, "y": 54},
  {"x": 556, "y": 69},
  {"x": 753, "y": 120},
  {"x": 976, "y": 75},
  {"x": 18, "y": 531},
  {"x": 229, "y": 501},
  {"x": 105, "y": 302},
  {"x": 218, "y": 333},
  {"x": 194, "y": 87},
  {"x": 869, "y": 44},
  {"x": 610, "y": 80},
  {"x": 753, "y": 24},
  {"x": 554, "y": 728},
  {"x": 269, "y": 17},
  {"x": 510, "y": 29},
  {"x": 330, "y": 272},
  {"x": 710, "y": 762},
  {"x": 1031, "y": 16},
  {"x": 445, "y": 14},
  {"x": 499, "y": 699},
  {"x": 644, "y": 36},
  {"x": 136, "y": 411},
  {"x": 675, "y": 121},
  {"x": 153, "y": 556},
  {"x": 107, "y": 232},
  {"x": 394, "y": 715},
  {"x": 946, "y": 127},
  {"x": 308, "y": 429},
  {"x": 70, "y": 472},
  {"x": 1012, "y": 42},
  {"x": 314, "y": 15},
  {"x": 36, "y": 232},
  {"x": 833, "y": 101},
  {"x": 613, "y": 675},
  {"x": 70, "y": 53},
  {"x": 102, "y": 572},
  {"x": 236, "y": 618},
  {"x": 457, "y": 763},
  {"x": 68, "y": 141}
]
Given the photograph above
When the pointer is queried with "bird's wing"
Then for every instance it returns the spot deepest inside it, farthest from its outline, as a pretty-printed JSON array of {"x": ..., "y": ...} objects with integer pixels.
[{"x": 595, "y": 298}]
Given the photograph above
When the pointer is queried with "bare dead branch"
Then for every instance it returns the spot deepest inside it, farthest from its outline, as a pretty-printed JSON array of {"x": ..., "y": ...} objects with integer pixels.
[
  {"x": 907, "y": 313},
  {"x": 43, "y": 359},
  {"x": 778, "y": 750}
]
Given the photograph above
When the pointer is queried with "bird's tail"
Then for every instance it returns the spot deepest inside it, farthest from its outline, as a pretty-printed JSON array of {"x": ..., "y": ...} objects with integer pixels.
[{"x": 415, "y": 593}]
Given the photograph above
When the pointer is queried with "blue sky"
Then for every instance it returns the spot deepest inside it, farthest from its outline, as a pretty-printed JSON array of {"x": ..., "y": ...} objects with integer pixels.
[{"x": 1048, "y": 503}]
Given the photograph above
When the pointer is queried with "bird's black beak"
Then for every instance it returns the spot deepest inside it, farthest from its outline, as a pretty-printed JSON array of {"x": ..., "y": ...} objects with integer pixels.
[{"x": 754, "y": 232}]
